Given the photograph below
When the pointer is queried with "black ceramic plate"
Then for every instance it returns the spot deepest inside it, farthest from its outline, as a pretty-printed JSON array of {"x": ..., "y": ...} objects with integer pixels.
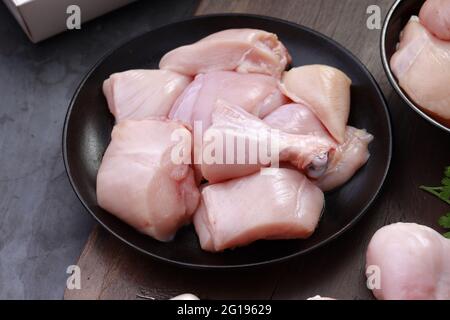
[
  {"x": 88, "y": 127},
  {"x": 397, "y": 18}
]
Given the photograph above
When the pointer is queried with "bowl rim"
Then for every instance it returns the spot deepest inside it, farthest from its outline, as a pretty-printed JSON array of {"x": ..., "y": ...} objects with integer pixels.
[
  {"x": 390, "y": 75},
  {"x": 200, "y": 266}
]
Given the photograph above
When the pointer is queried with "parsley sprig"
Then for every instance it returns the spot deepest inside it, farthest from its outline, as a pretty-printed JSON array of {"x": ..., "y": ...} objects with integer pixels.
[
  {"x": 444, "y": 222},
  {"x": 443, "y": 193}
]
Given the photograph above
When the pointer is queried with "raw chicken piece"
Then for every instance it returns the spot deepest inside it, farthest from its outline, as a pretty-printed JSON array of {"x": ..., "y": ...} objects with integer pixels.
[
  {"x": 240, "y": 144},
  {"x": 344, "y": 161},
  {"x": 140, "y": 94},
  {"x": 139, "y": 183},
  {"x": 413, "y": 262},
  {"x": 296, "y": 119},
  {"x": 256, "y": 93},
  {"x": 348, "y": 158},
  {"x": 422, "y": 67},
  {"x": 241, "y": 50},
  {"x": 320, "y": 298},
  {"x": 185, "y": 296},
  {"x": 325, "y": 90},
  {"x": 281, "y": 205},
  {"x": 435, "y": 16}
]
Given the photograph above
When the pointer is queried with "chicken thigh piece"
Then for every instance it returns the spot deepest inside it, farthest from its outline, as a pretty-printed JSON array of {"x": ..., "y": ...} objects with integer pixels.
[
  {"x": 344, "y": 161},
  {"x": 280, "y": 205},
  {"x": 256, "y": 93},
  {"x": 413, "y": 262},
  {"x": 239, "y": 144},
  {"x": 140, "y": 184},
  {"x": 241, "y": 50},
  {"x": 325, "y": 90},
  {"x": 422, "y": 67},
  {"x": 435, "y": 16},
  {"x": 140, "y": 94}
]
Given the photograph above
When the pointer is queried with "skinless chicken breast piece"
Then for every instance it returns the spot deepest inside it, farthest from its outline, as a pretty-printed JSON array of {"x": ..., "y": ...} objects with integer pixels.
[
  {"x": 281, "y": 205},
  {"x": 422, "y": 67},
  {"x": 140, "y": 94},
  {"x": 139, "y": 183},
  {"x": 413, "y": 263},
  {"x": 241, "y": 50}
]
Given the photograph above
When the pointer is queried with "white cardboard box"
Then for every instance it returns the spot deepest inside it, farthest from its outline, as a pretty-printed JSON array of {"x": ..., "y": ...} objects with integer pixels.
[{"x": 41, "y": 19}]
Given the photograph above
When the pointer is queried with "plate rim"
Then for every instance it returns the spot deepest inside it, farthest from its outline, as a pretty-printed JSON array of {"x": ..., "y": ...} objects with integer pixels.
[
  {"x": 390, "y": 75},
  {"x": 344, "y": 229}
]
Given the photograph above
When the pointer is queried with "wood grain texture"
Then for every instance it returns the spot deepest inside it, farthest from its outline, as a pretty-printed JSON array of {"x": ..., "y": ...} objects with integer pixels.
[{"x": 111, "y": 270}]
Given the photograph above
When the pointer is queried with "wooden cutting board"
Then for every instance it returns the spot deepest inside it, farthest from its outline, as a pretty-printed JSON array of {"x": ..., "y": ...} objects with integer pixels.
[{"x": 111, "y": 270}]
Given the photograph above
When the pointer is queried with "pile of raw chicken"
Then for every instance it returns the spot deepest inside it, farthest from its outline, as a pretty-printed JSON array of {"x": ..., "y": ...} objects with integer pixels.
[
  {"x": 422, "y": 61},
  {"x": 233, "y": 82}
]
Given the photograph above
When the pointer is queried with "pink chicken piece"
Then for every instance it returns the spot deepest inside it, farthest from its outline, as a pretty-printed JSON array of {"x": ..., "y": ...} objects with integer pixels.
[
  {"x": 325, "y": 90},
  {"x": 435, "y": 16},
  {"x": 234, "y": 213},
  {"x": 413, "y": 263},
  {"x": 422, "y": 67},
  {"x": 296, "y": 118},
  {"x": 241, "y": 50},
  {"x": 240, "y": 144},
  {"x": 317, "y": 297},
  {"x": 256, "y": 93},
  {"x": 346, "y": 159},
  {"x": 140, "y": 94},
  {"x": 140, "y": 184}
]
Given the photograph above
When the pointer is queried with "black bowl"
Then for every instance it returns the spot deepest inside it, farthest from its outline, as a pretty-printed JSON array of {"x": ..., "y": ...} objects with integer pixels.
[
  {"x": 88, "y": 127},
  {"x": 396, "y": 19}
]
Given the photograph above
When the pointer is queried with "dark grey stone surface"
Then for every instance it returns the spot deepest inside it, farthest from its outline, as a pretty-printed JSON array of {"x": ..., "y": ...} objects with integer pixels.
[{"x": 43, "y": 227}]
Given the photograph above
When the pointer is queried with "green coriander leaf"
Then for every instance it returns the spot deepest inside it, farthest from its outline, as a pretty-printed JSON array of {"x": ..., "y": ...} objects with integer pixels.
[
  {"x": 445, "y": 194},
  {"x": 447, "y": 172},
  {"x": 444, "y": 221},
  {"x": 443, "y": 191},
  {"x": 446, "y": 181},
  {"x": 447, "y": 235},
  {"x": 439, "y": 192}
]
